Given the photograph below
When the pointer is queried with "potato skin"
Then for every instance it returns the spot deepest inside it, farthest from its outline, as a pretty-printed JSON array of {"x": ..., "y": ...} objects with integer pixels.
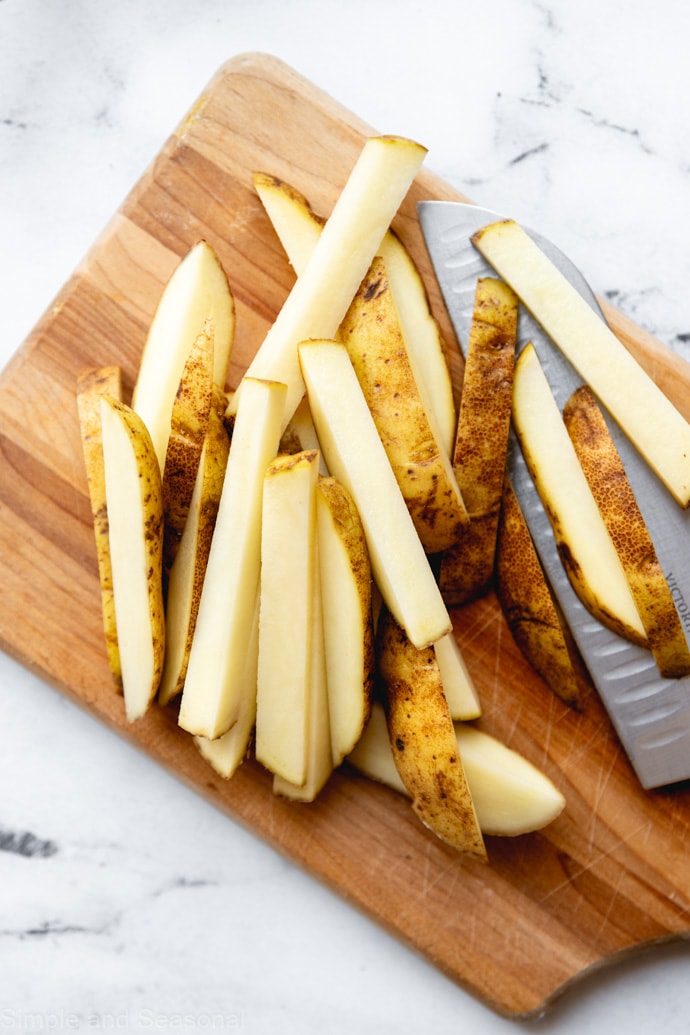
[
  {"x": 351, "y": 712},
  {"x": 372, "y": 336},
  {"x": 92, "y": 384},
  {"x": 535, "y": 621},
  {"x": 184, "y": 586},
  {"x": 481, "y": 442},
  {"x": 423, "y": 740},
  {"x": 611, "y": 489},
  {"x": 188, "y": 426}
]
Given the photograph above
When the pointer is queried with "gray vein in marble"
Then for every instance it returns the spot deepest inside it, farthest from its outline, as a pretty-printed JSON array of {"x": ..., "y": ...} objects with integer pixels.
[{"x": 27, "y": 844}]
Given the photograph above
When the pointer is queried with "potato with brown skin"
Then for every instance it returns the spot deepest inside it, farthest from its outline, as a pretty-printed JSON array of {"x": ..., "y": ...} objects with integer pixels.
[
  {"x": 511, "y": 796},
  {"x": 372, "y": 336},
  {"x": 91, "y": 385},
  {"x": 189, "y": 567},
  {"x": 346, "y": 600},
  {"x": 534, "y": 619},
  {"x": 319, "y": 298},
  {"x": 649, "y": 419},
  {"x": 423, "y": 741},
  {"x": 198, "y": 290},
  {"x": 298, "y": 226},
  {"x": 215, "y": 686},
  {"x": 188, "y": 426},
  {"x": 355, "y": 455},
  {"x": 481, "y": 442},
  {"x": 586, "y": 550},
  {"x": 616, "y": 500},
  {"x": 135, "y": 515}
]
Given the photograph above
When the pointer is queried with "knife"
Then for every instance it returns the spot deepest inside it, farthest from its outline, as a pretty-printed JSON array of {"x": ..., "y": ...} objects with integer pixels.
[{"x": 650, "y": 714}]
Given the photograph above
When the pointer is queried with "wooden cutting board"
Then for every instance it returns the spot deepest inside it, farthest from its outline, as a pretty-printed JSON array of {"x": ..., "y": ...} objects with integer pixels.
[{"x": 612, "y": 874}]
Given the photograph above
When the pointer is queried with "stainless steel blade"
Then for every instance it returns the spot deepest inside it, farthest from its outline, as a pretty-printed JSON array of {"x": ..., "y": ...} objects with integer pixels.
[{"x": 650, "y": 714}]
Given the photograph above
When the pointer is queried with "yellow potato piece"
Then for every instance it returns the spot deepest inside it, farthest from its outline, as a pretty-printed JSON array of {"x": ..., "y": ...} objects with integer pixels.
[
  {"x": 346, "y": 592},
  {"x": 92, "y": 384},
  {"x": 287, "y": 621},
  {"x": 189, "y": 568},
  {"x": 373, "y": 338},
  {"x": 533, "y": 617},
  {"x": 323, "y": 291},
  {"x": 511, "y": 796},
  {"x": 197, "y": 291},
  {"x": 188, "y": 427},
  {"x": 135, "y": 518},
  {"x": 356, "y": 457},
  {"x": 481, "y": 443},
  {"x": 423, "y": 742},
  {"x": 657, "y": 429},
  {"x": 584, "y": 544},
  {"x": 611, "y": 489}
]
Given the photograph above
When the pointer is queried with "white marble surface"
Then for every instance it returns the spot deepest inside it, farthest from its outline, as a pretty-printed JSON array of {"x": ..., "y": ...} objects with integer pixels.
[{"x": 125, "y": 901}]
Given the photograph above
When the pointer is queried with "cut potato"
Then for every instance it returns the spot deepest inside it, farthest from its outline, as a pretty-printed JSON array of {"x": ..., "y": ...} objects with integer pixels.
[
  {"x": 422, "y": 738},
  {"x": 213, "y": 692},
  {"x": 188, "y": 427},
  {"x": 346, "y": 590},
  {"x": 372, "y": 336},
  {"x": 299, "y": 227},
  {"x": 188, "y": 571},
  {"x": 322, "y": 293},
  {"x": 649, "y": 419},
  {"x": 584, "y": 544},
  {"x": 319, "y": 750},
  {"x": 294, "y": 220},
  {"x": 92, "y": 384},
  {"x": 481, "y": 444},
  {"x": 302, "y": 426},
  {"x": 458, "y": 687},
  {"x": 536, "y": 622},
  {"x": 511, "y": 796},
  {"x": 286, "y": 620},
  {"x": 135, "y": 518},
  {"x": 197, "y": 291},
  {"x": 355, "y": 456},
  {"x": 611, "y": 489},
  {"x": 226, "y": 753}
]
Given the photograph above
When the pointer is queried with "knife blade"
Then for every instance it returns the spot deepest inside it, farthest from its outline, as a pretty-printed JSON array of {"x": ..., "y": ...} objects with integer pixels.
[{"x": 650, "y": 714}]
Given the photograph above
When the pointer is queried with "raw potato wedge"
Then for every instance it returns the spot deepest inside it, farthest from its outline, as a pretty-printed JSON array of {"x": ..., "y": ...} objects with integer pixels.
[
  {"x": 298, "y": 228},
  {"x": 584, "y": 544},
  {"x": 372, "y": 336},
  {"x": 511, "y": 796},
  {"x": 422, "y": 738},
  {"x": 458, "y": 687},
  {"x": 649, "y": 419},
  {"x": 323, "y": 291},
  {"x": 481, "y": 443},
  {"x": 355, "y": 456},
  {"x": 188, "y": 427},
  {"x": 92, "y": 384},
  {"x": 319, "y": 750},
  {"x": 301, "y": 434},
  {"x": 188, "y": 571},
  {"x": 611, "y": 489},
  {"x": 226, "y": 753},
  {"x": 197, "y": 291},
  {"x": 135, "y": 516},
  {"x": 346, "y": 592},
  {"x": 212, "y": 698},
  {"x": 533, "y": 616},
  {"x": 286, "y": 624}
]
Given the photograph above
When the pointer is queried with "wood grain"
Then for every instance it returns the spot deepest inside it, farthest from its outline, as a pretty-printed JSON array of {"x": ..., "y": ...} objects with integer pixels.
[{"x": 611, "y": 875}]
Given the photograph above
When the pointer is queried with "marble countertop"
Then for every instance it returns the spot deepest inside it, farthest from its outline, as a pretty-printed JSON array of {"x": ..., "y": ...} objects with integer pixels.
[{"x": 127, "y": 902}]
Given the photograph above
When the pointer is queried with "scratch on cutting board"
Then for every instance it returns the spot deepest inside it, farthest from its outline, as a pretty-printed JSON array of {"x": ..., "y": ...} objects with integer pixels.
[{"x": 590, "y": 866}]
